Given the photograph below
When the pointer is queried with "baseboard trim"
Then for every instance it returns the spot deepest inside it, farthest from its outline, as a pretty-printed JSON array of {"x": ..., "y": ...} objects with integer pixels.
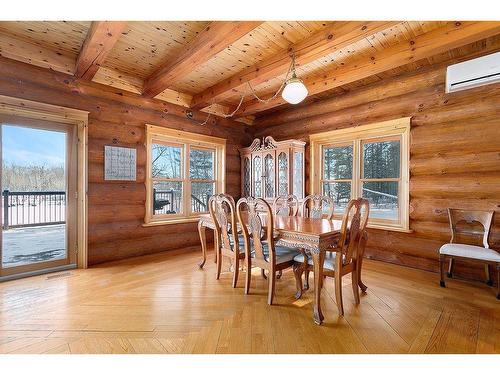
[{"x": 38, "y": 272}]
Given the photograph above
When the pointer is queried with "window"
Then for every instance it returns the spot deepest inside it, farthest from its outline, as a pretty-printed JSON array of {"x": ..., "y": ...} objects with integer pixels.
[
  {"x": 183, "y": 171},
  {"x": 368, "y": 161}
]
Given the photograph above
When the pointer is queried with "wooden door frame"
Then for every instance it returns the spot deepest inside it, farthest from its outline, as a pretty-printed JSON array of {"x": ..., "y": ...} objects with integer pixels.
[{"x": 16, "y": 108}]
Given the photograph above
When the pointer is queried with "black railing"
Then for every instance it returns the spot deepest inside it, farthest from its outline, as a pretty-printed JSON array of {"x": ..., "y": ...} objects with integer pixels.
[
  {"x": 166, "y": 202},
  {"x": 31, "y": 208},
  {"x": 199, "y": 203},
  {"x": 170, "y": 202}
]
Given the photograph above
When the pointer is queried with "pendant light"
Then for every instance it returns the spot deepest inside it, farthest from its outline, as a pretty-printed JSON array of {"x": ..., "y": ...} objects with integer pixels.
[{"x": 294, "y": 91}]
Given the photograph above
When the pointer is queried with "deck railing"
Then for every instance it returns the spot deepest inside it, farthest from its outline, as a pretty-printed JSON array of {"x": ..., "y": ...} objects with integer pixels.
[
  {"x": 170, "y": 202},
  {"x": 31, "y": 208}
]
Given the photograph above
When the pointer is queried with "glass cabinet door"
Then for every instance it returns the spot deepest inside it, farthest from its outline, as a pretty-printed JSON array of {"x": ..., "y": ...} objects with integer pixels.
[
  {"x": 246, "y": 177},
  {"x": 298, "y": 176},
  {"x": 257, "y": 176},
  {"x": 269, "y": 173},
  {"x": 282, "y": 173}
]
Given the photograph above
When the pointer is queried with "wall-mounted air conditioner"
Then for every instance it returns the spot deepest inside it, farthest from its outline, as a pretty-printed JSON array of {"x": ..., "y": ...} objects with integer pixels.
[{"x": 473, "y": 73}]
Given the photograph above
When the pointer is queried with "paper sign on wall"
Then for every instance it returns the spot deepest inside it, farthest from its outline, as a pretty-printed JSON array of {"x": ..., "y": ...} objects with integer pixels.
[{"x": 120, "y": 163}]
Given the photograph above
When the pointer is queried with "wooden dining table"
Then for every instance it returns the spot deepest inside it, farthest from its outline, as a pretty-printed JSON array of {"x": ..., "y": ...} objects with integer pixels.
[{"x": 316, "y": 236}]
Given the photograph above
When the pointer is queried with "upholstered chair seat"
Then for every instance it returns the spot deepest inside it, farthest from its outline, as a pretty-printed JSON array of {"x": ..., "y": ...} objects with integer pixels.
[
  {"x": 283, "y": 254},
  {"x": 470, "y": 251},
  {"x": 328, "y": 264}
]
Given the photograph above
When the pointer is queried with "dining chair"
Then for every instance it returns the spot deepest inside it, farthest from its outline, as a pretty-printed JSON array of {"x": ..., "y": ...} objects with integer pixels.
[
  {"x": 314, "y": 207},
  {"x": 227, "y": 240},
  {"x": 260, "y": 249},
  {"x": 340, "y": 262},
  {"x": 286, "y": 205},
  {"x": 462, "y": 230}
]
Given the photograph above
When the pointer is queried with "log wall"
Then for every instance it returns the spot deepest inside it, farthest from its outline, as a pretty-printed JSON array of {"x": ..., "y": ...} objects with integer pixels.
[
  {"x": 116, "y": 209},
  {"x": 454, "y": 154}
]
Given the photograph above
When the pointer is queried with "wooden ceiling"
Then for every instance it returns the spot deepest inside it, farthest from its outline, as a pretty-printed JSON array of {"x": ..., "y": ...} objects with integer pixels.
[{"x": 206, "y": 65}]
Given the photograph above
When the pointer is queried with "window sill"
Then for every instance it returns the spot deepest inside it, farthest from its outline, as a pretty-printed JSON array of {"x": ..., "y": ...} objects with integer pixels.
[
  {"x": 389, "y": 228},
  {"x": 171, "y": 221}
]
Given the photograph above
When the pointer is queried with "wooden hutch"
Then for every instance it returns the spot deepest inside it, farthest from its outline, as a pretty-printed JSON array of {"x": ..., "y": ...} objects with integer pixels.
[{"x": 270, "y": 168}]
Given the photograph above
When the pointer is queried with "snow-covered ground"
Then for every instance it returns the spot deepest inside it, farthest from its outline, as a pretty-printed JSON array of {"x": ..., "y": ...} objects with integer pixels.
[{"x": 33, "y": 244}]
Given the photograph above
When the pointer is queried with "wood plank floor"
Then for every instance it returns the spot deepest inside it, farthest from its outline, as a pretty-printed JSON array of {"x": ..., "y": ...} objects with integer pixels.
[{"x": 164, "y": 304}]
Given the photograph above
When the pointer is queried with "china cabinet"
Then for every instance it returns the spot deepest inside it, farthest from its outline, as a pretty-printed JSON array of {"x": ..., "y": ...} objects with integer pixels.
[{"x": 270, "y": 168}]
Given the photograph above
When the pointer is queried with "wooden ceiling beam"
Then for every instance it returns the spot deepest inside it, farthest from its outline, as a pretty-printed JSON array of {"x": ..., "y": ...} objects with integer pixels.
[
  {"x": 450, "y": 36},
  {"x": 213, "y": 39},
  {"x": 100, "y": 39},
  {"x": 321, "y": 43}
]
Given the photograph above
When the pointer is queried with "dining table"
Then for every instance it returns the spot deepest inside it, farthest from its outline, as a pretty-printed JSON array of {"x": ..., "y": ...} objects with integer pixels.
[{"x": 315, "y": 236}]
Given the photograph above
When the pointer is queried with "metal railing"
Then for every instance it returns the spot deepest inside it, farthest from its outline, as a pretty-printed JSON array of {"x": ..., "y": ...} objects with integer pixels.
[
  {"x": 170, "y": 202},
  {"x": 31, "y": 208}
]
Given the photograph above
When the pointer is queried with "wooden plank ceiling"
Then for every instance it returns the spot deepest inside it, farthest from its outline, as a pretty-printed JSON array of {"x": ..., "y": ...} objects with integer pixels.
[{"x": 206, "y": 65}]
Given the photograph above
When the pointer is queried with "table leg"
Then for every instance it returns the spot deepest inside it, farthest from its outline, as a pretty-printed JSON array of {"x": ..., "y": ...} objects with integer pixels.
[
  {"x": 203, "y": 239},
  {"x": 318, "y": 260}
]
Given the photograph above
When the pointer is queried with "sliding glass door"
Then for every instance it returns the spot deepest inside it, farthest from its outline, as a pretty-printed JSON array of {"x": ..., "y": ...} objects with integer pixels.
[{"x": 38, "y": 210}]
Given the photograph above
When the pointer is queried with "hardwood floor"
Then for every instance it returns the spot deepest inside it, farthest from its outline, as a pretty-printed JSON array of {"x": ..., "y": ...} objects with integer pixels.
[{"x": 164, "y": 304}]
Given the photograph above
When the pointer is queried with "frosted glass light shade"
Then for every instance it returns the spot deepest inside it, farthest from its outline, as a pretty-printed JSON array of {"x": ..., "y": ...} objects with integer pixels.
[{"x": 295, "y": 91}]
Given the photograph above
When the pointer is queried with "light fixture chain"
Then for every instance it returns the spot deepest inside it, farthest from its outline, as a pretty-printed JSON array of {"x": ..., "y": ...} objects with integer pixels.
[{"x": 291, "y": 68}]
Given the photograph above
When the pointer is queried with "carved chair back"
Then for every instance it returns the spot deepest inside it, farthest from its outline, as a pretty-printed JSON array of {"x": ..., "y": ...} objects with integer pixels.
[
  {"x": 317, "y": 207},
  {"x": 223, "y": 212},
  {"x": 350, "y": 230},
  {"x": 258, "y": 228},
  {"x": 286, "y": 205},
  {"x": 470, "y": 217}
]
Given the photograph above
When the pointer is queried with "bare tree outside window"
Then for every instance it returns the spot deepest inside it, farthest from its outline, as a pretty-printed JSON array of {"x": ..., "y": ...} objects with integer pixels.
[{"x": 169, "y": 183}]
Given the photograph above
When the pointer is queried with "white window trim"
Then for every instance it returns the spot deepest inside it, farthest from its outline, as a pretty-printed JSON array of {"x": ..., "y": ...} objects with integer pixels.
[
  {"x": 187, "y": 141},
  {"x": 356, "y": 135}
]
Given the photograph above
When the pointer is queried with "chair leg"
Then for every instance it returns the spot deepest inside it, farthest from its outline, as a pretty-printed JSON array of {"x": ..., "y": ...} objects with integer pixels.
[
  {"x": 236, "y": 271},
  {"x": 219, "y": 263},
  {"x": 441, "y": 271},
  {"x": 360, "y": 262},
  {"x": 498, "y": 280},
  {"x": 298, "y": 270},
  {"x": 306, "y": 279},
  {"x": 248, "y": 275},
  {"x": 272, "y": 286},
  {"x": 338, "y": 292},
  {"x": 263, "y": 273},
  {"x": 354, "y": 282},
  {"x": 450, "y": 269},
  {"x": 280, "y": 273},
  {"x": 489, "y": 281}
]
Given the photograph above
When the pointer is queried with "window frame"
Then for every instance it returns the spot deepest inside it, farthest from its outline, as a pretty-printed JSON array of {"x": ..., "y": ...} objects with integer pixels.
[
  {"x": 186, "y": 141},
  {"x": 398, "y": 129}
]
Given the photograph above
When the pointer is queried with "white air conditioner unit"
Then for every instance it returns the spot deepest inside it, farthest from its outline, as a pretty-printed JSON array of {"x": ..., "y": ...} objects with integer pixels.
[{"x": 473, "y": 73}]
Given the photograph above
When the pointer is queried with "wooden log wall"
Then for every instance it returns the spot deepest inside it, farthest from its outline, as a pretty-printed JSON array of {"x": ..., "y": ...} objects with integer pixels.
[
  {"x": 454, "y": 155},
  {"x": 116, "y": 209}
]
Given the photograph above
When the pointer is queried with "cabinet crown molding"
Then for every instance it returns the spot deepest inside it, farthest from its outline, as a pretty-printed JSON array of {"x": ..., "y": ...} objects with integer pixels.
[{"x": 269, "y": 143}]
